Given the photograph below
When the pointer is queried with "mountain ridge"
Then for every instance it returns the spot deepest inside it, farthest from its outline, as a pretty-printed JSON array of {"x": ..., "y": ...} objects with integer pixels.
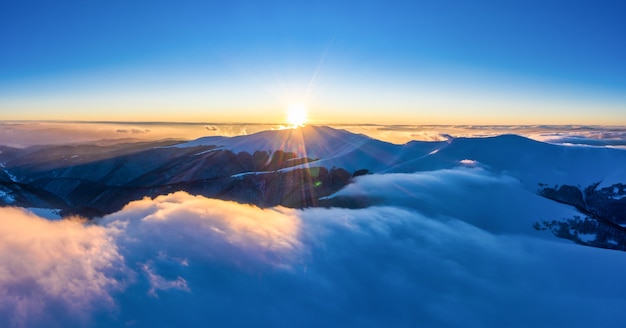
[{"x": 291, "y": 167}]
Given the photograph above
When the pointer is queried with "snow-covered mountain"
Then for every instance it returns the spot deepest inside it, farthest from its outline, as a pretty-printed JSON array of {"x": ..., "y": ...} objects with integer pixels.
[
  {"x": 293, "y": 167},
  {"x": 308, "y": 141},
  {"x": 531, "y": 161}
]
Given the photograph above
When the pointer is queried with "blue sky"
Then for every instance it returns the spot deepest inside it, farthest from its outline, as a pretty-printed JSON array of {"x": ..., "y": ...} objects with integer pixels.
[{"x": 489, "y": 62}]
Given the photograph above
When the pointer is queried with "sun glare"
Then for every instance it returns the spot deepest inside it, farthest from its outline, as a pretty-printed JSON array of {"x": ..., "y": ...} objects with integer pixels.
[{"x": 296, "y": 115}]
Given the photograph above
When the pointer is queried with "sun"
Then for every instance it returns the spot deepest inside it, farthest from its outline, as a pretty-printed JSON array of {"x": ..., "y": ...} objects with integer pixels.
[{"x": 296, "y": 115}]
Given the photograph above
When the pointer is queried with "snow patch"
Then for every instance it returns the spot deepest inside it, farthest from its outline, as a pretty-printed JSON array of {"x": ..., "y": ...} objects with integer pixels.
[
  {"x": 6, "y": 197},
  {"x": 206, "y": 151},
  {"x": 587, "y": 237},
  {"x": 11, "y": 176},
  {"x": 618, "y": 193},
  {"x": 239, "y": 175},
  {"x": 52, "y": 214}
]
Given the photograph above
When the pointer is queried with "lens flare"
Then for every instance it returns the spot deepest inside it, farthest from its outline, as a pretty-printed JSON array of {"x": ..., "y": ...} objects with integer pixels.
[{"x": 296, "y": 115}]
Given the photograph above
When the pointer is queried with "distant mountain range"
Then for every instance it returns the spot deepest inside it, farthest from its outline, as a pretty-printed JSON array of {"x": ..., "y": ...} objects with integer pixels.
[{"x": 293, "y": 167}]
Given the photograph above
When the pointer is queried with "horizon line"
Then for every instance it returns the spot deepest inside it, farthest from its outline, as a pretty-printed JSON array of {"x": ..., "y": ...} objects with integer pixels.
[{"x": 316, "y": 124}]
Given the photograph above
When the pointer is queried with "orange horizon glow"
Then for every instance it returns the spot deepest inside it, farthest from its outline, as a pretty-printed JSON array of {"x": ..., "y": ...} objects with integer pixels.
[{"x": 315, "y": 116}]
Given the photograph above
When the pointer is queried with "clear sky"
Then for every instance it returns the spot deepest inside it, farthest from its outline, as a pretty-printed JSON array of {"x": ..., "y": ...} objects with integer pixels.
[{"x": 387, "y": 62}]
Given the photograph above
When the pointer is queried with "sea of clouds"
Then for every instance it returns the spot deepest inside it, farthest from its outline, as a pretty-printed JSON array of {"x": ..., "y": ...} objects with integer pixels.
[
  {"x": 450, "y": 248},
  {"x": 28, "y": 133}
]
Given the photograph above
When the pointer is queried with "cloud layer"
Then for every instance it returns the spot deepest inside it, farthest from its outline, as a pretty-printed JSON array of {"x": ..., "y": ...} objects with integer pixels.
[
  {"x": 22, "y": 134},
  {"x": 53, "y": 271},
  {"x": 493, "y": 202},
  {"x": 432, "y": 254}
]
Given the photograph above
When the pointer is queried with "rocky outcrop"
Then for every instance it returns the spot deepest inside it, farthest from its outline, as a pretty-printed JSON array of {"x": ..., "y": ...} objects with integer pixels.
[{"x": 604, "y": 210}]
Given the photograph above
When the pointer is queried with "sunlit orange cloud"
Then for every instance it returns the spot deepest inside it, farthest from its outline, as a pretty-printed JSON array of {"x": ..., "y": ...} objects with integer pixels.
[
  {"x": 26, "y": 133},
  {"x": 64, "y": 263},
  {"x": 245, "y": 227},
  {"x": 73, "y": 266}
]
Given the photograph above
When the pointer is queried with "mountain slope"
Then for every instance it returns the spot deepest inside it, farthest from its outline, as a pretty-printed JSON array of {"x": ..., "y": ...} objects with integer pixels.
[
  {"x": 530, "y": 161},
  {"x": 293, "y": 167},
  {"x": 308, "y": 141}
]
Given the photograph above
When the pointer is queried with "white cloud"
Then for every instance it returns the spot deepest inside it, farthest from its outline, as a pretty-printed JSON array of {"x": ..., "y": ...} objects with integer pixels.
[
  {"x": 54, "y": 269},
  {"x": 229, "y": 231},
  {"x": 494, "y": 202},
  {"x": 415, "y": 261}
]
